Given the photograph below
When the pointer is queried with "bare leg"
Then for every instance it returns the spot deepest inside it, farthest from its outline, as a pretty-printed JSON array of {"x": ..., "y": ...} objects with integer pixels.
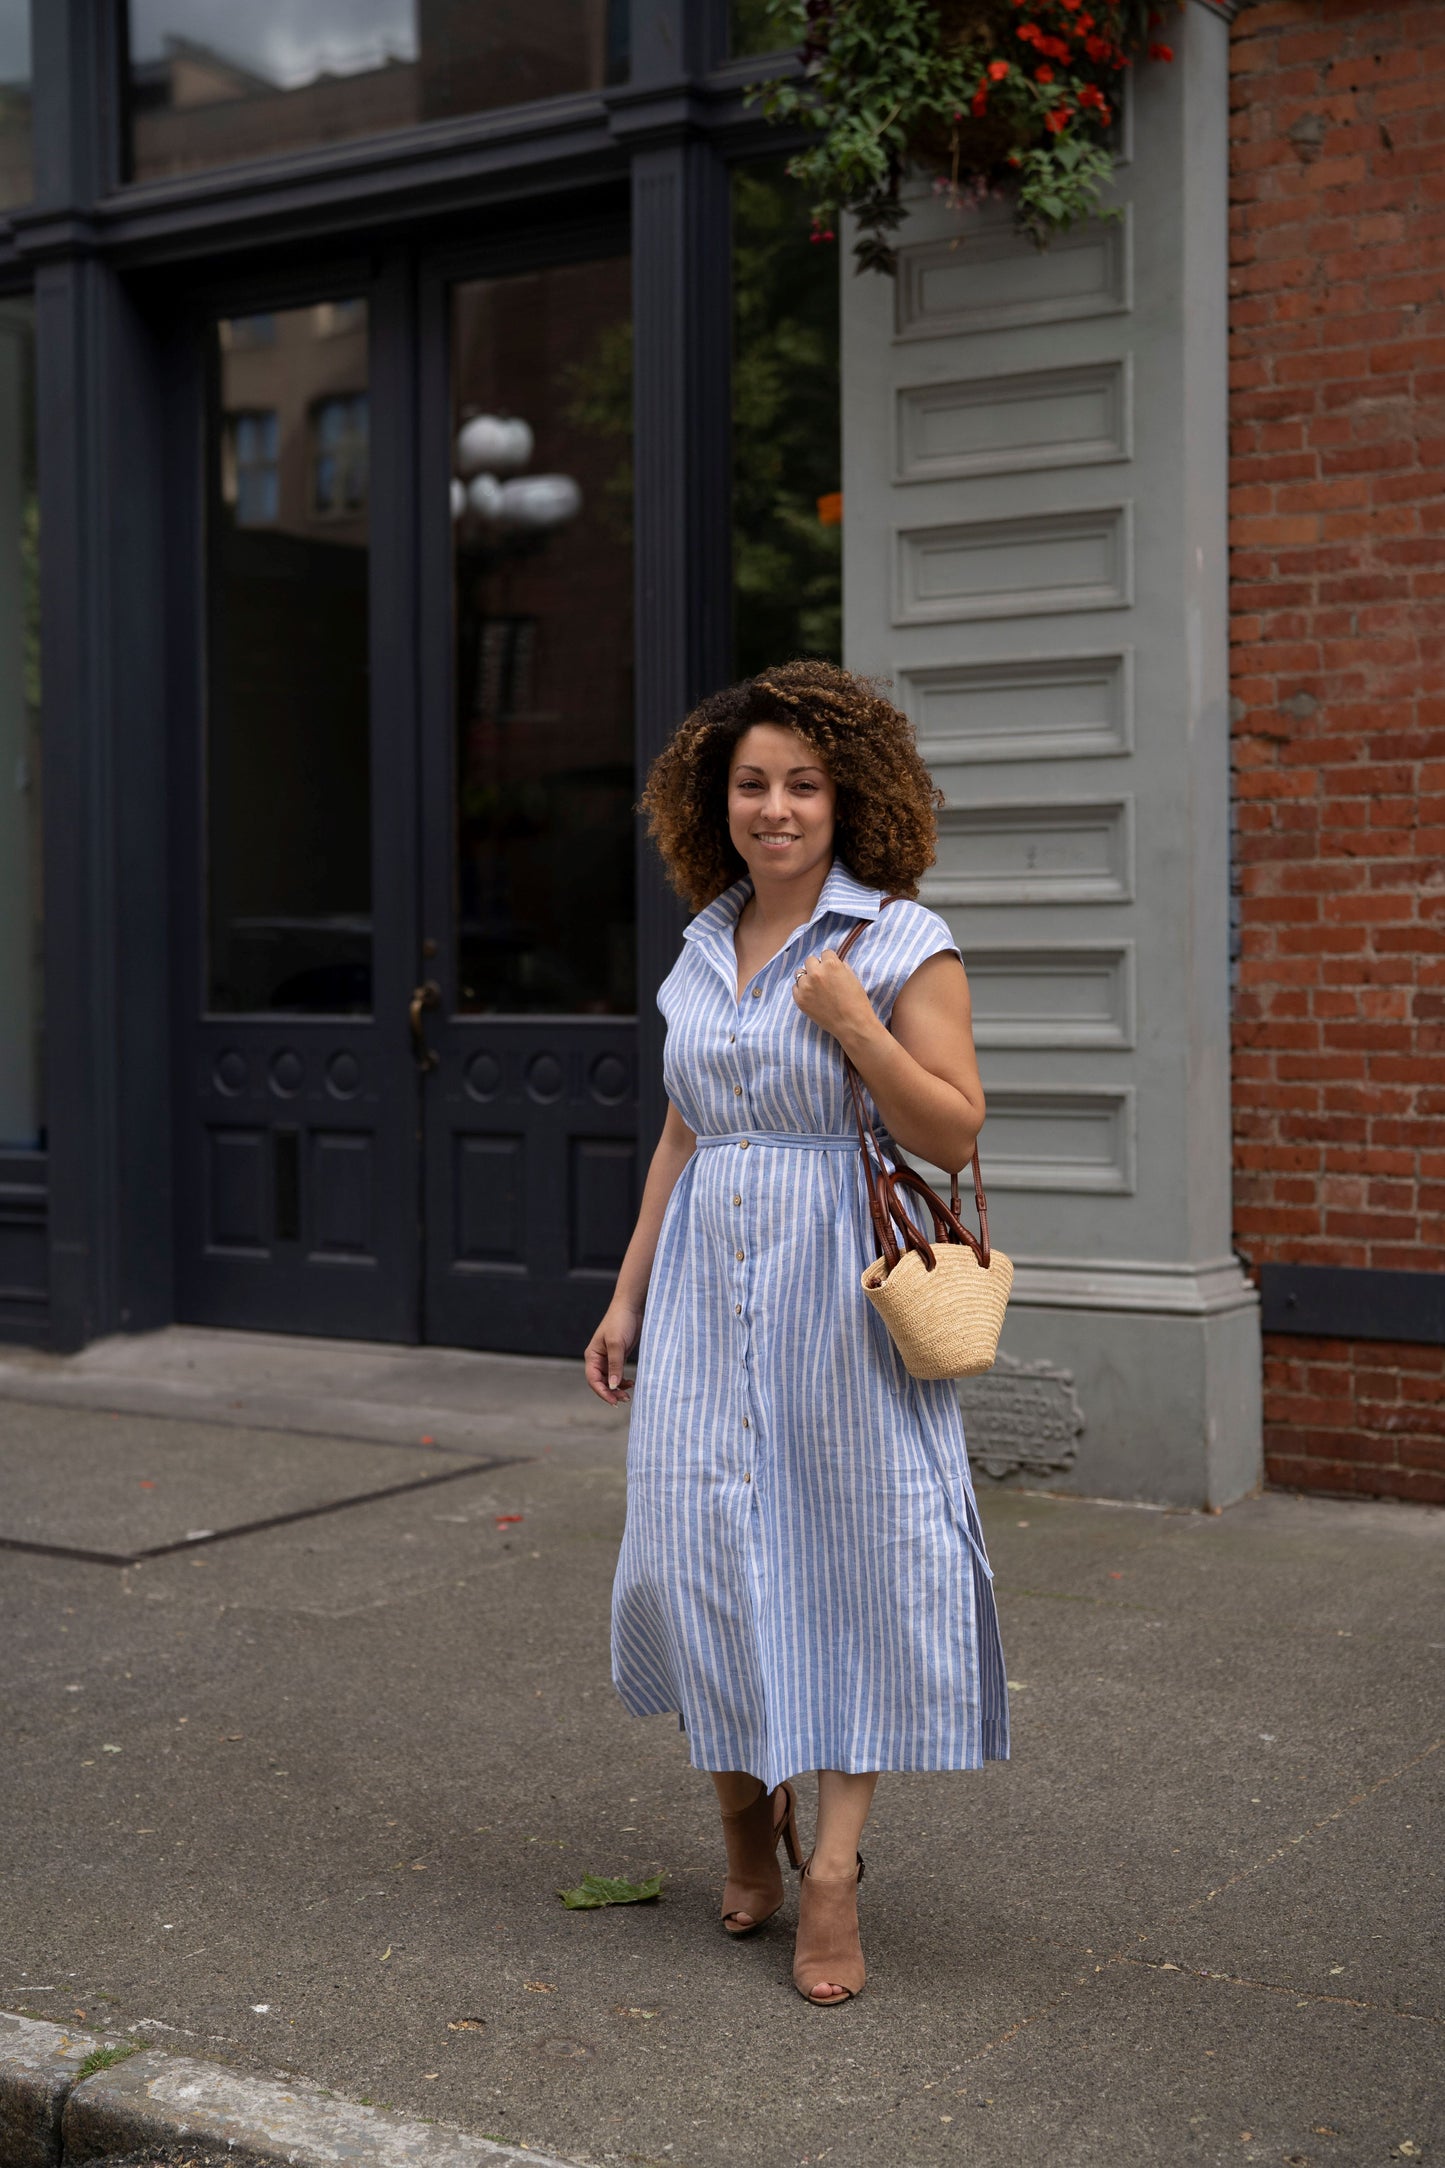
[{"x": 843, "y": 1804}]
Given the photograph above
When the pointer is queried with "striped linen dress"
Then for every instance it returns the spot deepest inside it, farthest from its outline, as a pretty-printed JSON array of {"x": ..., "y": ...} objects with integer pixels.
[{"x": 803, "y": 1574}]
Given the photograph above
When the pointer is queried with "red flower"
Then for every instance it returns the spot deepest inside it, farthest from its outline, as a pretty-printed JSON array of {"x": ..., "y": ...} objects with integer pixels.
[
  {"x": 1098, "y": 48},
  {"x": 1161, "y": 52},
  {"x": 998, "y": 69},
  {"x": 979, "y": 102},
  {"x": 1056, "y": 121},
  {"x": 1043, "y": 75}
]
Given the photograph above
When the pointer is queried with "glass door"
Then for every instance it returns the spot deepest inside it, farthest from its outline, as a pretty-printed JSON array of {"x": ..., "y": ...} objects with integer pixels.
[
  {"x": 296, "y": 1174},
  {"x": 528, "y": 785}
]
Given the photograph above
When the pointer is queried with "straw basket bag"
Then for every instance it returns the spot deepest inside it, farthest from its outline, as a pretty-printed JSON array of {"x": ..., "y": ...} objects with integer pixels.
[{"x": 943, "y": 1301}]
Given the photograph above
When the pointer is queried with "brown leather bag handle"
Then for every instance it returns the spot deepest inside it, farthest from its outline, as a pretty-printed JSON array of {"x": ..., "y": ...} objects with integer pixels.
[{"x": 884, "y": 1183}]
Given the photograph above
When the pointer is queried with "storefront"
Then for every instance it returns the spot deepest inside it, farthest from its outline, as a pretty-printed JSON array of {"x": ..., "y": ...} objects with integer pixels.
[{"x": 382, "y": 385}]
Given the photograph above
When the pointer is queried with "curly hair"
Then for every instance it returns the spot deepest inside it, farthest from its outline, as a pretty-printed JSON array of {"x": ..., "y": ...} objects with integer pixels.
[{"x": 886, "y": 833}]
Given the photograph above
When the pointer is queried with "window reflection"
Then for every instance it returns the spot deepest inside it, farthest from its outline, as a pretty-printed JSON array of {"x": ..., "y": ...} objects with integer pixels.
[
  {"x": 787, "y": 444},
  {"x": 756, "y": 26},
  {"x": 17, "y": 184},
  {"x": 288, "y": 732},
  {"x": 214, "y": 84},
  {"x": 542, "y": 521}
]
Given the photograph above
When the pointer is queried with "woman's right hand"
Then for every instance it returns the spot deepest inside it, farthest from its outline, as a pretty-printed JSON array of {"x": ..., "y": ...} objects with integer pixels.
[{"x": 608, "y": 1350}]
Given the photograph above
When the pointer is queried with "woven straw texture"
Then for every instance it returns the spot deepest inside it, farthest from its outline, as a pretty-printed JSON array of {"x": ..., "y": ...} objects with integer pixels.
[{"x": 944, "y": 1323}]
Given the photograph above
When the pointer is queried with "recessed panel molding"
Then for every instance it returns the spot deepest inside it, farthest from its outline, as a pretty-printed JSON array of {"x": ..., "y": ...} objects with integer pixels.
[
  {"x": 1080, "y": 851},
  {"x": 1039, "y": 1138},
  {"x": 992, "y": 280},
  {"x": 1038, "y": 565},
  {"x": 1008, "y": 424},
  {"x": 1047, "y": 707},
  {"x": 1069, "y": 994}
]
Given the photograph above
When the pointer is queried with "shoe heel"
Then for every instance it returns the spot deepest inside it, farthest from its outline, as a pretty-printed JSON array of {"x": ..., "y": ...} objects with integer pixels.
[{"x": 790, "y": 1830}]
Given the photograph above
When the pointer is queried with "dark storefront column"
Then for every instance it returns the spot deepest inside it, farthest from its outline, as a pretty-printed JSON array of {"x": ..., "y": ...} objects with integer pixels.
[
  {"x": 98, "y": 456},
  {"x": 681, "y": 309}
]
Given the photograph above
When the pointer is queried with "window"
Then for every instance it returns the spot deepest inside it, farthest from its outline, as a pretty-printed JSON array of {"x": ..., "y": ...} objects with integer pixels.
[
  {"x": 787, "y": 438},
  {"x": 288, "y": 732},
  {"x": 251, "y": 479},
  {"x": 754, "y": 27},
  {"x": 339, "y": 448},
  {"x": 17, "y": 183},
  {"x": 212, "y": 83}
]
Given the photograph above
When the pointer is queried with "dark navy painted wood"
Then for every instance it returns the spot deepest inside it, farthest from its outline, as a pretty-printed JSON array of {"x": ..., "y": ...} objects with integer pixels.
[{"x": 1351, "y": 1302}]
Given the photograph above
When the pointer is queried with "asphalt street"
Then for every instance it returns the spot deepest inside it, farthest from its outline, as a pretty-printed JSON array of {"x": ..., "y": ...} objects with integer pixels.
[{"x": 297, "y": 1790}]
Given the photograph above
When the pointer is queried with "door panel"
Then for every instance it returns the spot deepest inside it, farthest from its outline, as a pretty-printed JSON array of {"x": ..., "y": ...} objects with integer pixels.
[
  {"x": 297, "y": 1173},
  {"x": 528, "y": 851}
]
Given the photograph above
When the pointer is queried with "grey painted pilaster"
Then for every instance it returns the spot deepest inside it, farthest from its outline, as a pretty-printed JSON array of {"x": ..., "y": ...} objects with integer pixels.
[{"x": 1035, "y": 551}]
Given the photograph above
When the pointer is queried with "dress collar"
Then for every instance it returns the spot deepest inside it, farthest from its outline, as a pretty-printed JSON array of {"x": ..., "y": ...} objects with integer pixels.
[{"x": 842, "y": 896}]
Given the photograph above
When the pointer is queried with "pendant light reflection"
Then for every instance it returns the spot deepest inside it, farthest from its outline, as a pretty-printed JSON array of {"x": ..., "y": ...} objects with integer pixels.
[{"x": 493, "y": 502}]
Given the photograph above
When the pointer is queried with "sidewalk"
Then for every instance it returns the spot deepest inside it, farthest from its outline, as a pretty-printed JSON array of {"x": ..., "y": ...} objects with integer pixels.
[{"x": 300, "y": 1798}]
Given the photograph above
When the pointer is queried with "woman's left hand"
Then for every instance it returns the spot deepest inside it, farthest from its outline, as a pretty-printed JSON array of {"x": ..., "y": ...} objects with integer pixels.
[{"x": 829, "y": 991}]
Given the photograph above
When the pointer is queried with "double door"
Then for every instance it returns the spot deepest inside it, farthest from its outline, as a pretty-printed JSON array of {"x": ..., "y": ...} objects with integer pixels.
[{"x": 405, "y": 925}]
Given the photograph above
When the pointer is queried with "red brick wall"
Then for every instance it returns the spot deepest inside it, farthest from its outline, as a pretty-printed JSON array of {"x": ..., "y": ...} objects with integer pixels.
[{"x": 1337, "y": 484}]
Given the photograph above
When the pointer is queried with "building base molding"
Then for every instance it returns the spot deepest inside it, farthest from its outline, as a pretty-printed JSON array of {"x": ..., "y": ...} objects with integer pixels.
[
  {"x": 1164, "y": 1402},
  {"x": 1213, "y": 1289}
]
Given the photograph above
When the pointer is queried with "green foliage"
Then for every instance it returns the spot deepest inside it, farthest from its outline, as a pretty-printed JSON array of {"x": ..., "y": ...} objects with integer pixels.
[
  {"x": 106, "y": 2059},
  {"x": 787, "y": 564},
  {"x": 595, "y": 1890},
  {"x": 996, "y": 97}
]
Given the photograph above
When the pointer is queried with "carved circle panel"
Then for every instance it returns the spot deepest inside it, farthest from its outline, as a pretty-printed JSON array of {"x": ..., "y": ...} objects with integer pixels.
[
  {"x": 288, "y": 1072},
  {"x": 544, "y": 1079},
  {"x": 607, "y": 1079},
  {"x": 483, "y": 1076},
  {"x": 343, "y": 1075},
  {"x": 229, "y": 1073}
]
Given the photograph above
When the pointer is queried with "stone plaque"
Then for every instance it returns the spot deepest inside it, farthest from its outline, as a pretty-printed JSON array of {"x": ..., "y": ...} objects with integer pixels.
[{"x": 1021, "y": 1419}]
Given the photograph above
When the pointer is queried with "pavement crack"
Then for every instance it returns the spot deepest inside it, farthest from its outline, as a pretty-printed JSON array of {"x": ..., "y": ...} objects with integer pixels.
[
  {"x": 1279, "y": 1987},
  {"x": 1337, "y": 1814}
]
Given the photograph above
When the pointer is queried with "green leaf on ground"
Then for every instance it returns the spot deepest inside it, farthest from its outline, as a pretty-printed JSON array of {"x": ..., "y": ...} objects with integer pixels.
[{"x": 609, "y": 1889}]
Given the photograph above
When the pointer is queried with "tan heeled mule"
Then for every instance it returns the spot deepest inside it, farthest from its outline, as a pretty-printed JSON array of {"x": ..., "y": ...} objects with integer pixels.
[
  {"x": 753, "y": 1891},
  {"x": 828, "y": 1945}
]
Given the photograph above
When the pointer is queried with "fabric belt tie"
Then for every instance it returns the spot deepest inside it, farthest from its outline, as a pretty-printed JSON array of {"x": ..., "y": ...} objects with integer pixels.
[{"x": 792, "y": 1140}]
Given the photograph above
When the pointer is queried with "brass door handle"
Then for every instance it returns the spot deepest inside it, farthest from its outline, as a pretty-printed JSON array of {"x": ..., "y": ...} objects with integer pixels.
[{"x": 426, "y": 996}]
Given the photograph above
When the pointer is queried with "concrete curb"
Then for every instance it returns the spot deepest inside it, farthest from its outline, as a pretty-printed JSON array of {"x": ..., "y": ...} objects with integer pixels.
[{"x": 51, "y": 2117}]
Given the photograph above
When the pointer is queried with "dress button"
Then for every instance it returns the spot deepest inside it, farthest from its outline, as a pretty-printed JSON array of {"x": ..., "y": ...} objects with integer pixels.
[
  {"x": 737, "y": 1309},
  {"x": 737, "y": 1200},
  {"x": 739, "y": 1255},
  {"x": 737, "y": 1091},
  {"x": 757, "y": 993},
  {"x": 732, "y": 1038},
  {"x": 749, "y": 1476},
  {"x": 746, "y": 1424},
  {"x": 743, "y": 1143}
]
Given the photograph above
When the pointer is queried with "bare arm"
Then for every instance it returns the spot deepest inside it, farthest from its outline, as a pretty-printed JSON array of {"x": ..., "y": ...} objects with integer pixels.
[
  {"x": 616, "y": 1336},
  {"x": 922, "y": 1071}
]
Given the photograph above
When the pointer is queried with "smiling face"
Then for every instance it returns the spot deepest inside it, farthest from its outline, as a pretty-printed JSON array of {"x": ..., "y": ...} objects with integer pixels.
[{"x": 781, "y": 805}]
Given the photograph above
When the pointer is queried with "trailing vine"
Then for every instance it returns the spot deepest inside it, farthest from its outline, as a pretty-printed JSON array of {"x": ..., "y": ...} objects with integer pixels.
[{"x": 1014, "y": 98}]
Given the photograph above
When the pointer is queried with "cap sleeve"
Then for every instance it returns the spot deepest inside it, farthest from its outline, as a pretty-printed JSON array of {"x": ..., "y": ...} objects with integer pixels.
[{"x": 904, "y": 936}]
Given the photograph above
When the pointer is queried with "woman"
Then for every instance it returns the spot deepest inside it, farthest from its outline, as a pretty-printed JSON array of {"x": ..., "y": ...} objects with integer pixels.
[{"x": 803, "y": 1573}]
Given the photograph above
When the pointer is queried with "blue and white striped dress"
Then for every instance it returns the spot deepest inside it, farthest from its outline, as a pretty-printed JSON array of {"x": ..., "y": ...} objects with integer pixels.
[{"x": 803, "y": 1574}]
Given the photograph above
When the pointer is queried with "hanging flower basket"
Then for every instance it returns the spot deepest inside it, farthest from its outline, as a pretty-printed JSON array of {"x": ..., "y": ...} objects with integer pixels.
[{"x": 1012, "y": 98}]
